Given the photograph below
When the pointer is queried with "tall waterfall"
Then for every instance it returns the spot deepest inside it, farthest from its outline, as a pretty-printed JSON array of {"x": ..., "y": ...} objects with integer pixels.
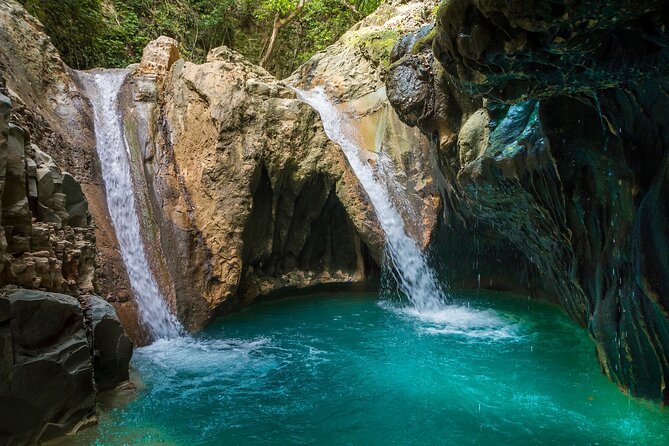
[
  {"x": 103, "y": 88},
  {"x": 416, "y": 279}
]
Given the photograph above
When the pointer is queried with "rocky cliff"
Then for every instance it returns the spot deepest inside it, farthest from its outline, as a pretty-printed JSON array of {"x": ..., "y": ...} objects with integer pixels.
[
  {"x": 53, "y": 114},
  {"x": 56, "y": 350},
  {"x": 552, "y": 134},
  {"x": 246, "y": 195},
  {"x": 352, "y": 72}
]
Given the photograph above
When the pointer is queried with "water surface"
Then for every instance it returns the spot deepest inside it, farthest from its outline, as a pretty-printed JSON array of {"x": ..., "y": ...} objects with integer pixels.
[{"x": 353, "y": 371}]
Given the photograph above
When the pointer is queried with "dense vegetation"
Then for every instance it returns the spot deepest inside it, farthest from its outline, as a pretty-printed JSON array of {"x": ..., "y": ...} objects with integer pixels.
[{"x": 112, "y": 33}]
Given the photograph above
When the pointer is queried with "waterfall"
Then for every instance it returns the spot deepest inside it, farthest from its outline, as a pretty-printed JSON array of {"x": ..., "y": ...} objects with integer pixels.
[
  {"x": 416, "y": 279},
  {"x": 103, "y": 88}
]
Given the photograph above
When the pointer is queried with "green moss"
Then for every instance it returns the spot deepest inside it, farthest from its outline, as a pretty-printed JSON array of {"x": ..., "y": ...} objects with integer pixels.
[
  {"x": 377, "y": 44},
  {"x": 424, "y": 41},
  {"x": 441, "y": 8}
]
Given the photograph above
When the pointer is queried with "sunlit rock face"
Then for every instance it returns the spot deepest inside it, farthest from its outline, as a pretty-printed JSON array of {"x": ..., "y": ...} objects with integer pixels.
[
  {"x": 352, "y": 72},
  {"x": 245, "y": 195},
  {"x": 555, "y": 196}
]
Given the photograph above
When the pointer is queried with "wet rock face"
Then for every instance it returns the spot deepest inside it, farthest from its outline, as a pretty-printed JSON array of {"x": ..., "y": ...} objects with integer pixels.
[
  {"x": 522, "y": 49},
  {"x": 46, "y": 375},
  {"x": 557, "y": 197},
  {"x": 352, "y": 73},
  {"x": 112, "y": 348}
]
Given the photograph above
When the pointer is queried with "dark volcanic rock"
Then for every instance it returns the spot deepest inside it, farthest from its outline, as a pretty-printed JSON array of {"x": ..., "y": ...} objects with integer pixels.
[
  {"x": 562, "y": 197},
  {"x": 519, "y": 49},
  {"x": 46, "y": 386},
  {"x": 112, "y": 348}
]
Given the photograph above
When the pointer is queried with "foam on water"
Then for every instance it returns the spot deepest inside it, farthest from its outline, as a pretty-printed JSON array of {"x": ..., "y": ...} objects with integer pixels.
[
  {"x": 461, "y": 320},
  {"x": 344, "y": 370},
  {"x": 103, "y": 88}
]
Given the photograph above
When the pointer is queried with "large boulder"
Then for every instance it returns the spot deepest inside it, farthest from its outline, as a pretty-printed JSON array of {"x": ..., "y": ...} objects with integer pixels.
[
  {"x": 46, "y": 381},
  {"x": 112, "y": 348},
  {"x": 247, "y": 193}
]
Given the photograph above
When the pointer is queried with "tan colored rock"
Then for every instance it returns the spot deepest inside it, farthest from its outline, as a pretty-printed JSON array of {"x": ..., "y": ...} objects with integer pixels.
[
  {"x": 352, "y": 72},
  {"x": 249, "y": 192},
  {"x": 158, "y": 56}
]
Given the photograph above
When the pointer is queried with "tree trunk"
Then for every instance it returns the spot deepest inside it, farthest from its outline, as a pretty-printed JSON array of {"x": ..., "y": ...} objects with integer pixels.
[{"x": 278, "y": 24}]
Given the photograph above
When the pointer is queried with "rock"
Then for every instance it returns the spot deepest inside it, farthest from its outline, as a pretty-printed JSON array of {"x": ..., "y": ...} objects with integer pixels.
[
  {"x": 48, "y": 387},
  {"x": 38, "y": 220},
  {"x": 56, "y": 118},
  {"x": 112, "y": 348},
  {"x": 159, "y": 56},
  {"x": 14, "y": 200},
  {"x": 556, "y": 196},
  {"x": 278, "y": 194},
  {"x": 352, "y": 72},
  {"x": 539, "y": 48},
  {"x": 76, "y": 204}
]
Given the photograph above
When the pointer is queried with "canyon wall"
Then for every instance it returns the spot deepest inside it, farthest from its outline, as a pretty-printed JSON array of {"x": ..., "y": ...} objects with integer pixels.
[
  {"x": 551, "y": 129},
  {"x": 56, "y": 350},
  {"x": 50, "y": 108},
  {"x": 246, "y": 197}
]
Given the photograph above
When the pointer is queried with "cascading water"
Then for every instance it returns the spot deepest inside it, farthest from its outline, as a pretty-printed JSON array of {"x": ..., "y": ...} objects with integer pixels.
[
  {"x": 416, "y": 279},
  {"x": 103, "y": 88}
]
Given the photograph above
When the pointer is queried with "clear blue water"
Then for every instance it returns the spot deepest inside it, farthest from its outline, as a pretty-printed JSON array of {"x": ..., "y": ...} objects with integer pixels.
[{"x": 354, "y": 371}]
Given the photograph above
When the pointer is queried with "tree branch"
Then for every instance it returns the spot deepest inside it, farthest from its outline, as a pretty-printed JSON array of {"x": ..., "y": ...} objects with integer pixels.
[{"x": 278, "y": 24}]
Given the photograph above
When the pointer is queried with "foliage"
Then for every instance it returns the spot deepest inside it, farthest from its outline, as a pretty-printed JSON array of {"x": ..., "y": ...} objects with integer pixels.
[{"x": 112, "y": 33}]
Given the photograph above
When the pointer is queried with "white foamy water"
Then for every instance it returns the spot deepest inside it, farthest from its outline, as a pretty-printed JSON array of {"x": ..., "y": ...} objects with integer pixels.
[
  {"x": 103, "y": 88},
  {"x": 416, "y": 279},
  {"x": 461, "y": 320}
]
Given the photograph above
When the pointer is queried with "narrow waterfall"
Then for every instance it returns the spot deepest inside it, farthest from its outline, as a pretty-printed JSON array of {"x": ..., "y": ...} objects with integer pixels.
[
  {"x": 103, "y": 88},
  {"x": 416, "y": 279}
]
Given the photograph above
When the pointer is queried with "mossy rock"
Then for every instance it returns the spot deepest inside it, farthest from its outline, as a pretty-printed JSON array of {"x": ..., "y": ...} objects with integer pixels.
[{"x": 377, "y": 44}]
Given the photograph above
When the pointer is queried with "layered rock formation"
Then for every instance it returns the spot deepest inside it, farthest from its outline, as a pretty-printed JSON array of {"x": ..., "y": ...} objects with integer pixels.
[
  {"x": 46, "y": 240},
  {"x": 47, "y": 375},
  {"x": 55, "y": 116},
  {"x": 556, "y": 196}
]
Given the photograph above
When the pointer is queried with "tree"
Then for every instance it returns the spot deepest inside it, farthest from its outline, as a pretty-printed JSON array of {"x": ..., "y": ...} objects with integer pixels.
[
  {"x": 116, "y": 31},
  {"x": 279, "y": 7}
]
